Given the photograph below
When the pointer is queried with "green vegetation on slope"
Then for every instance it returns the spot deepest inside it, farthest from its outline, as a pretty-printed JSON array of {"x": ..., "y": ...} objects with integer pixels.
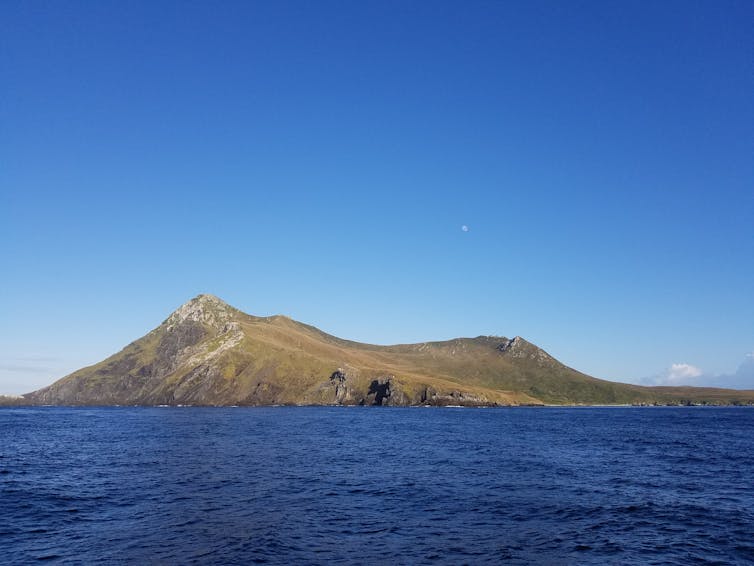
[{"x": 208, "y": 353}]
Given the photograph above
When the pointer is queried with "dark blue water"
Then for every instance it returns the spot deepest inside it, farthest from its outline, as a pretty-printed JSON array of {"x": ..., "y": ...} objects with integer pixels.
[{"x": 377, "y": 485}]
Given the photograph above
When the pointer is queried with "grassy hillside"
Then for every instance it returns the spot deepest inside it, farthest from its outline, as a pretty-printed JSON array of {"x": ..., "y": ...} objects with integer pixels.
[{"x": 208, "y": 353}]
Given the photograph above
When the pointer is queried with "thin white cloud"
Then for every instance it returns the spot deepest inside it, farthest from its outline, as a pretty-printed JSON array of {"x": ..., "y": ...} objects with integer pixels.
[
  {"x": 745, "y": 372},
  {"x": 28, "y": 364},
  {"x": 687, "y": 374},
  {"x": 679, "y": 374},
  {"x": 23, "y": 368}
]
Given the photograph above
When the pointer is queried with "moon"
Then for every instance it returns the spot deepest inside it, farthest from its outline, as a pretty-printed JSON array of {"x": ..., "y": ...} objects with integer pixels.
[{"x": 465, "y": 228}]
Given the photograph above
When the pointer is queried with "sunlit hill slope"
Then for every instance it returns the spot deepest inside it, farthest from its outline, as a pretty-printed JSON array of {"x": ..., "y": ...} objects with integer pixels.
[{"x": 209, "y": 353}]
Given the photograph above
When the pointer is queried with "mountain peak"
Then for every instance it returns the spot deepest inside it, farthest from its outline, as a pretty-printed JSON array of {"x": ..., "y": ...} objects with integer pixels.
[
  {"x": 205, "y": 308},
  {"x": 207, "y": 298}
]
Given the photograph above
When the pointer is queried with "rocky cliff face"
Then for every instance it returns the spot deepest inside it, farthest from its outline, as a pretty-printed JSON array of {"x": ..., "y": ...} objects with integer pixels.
[{"x": 209, "y": 353}]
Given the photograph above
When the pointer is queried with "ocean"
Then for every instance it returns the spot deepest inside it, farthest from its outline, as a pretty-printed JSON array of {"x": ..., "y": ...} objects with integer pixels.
[{"x": 377, "y": 485}]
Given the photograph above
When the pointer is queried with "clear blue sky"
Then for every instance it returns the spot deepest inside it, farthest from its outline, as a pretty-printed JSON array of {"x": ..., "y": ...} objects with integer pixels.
[{"x": 318, "y": 159}]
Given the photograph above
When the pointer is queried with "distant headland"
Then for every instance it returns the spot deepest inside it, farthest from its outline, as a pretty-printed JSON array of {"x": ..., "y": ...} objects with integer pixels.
[{"x": 209, "y": 353}]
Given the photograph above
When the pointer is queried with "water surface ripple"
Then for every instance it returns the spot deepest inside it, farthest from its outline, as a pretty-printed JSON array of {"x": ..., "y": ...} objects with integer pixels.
[{"x": 377, "y": 485}]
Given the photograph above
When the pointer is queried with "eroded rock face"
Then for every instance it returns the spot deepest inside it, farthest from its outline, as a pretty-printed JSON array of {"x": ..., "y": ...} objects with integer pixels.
[
  {"x": 379, "y": 392},
  {"x": 348, "y": 390},
  {"x": 519, "y": 348},
  {"x": 507, "y": 345},
  {"x": 338, "y": 377},
  {"x": 264, "y": 393},
  {"x": 175, "y": 345},
  {"x": 205, "y": 309},
  {"x": 193, "y": 340},
  {"x": 345, "y": 392},
  {"x": 458, "y": 398}
]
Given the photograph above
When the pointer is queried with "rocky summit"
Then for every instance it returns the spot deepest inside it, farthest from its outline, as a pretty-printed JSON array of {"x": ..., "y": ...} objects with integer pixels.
[{"x": 209, "y": 353}]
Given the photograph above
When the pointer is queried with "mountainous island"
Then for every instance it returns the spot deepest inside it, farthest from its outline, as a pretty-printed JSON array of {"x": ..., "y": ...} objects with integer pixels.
[{"x": 209, "y": 353}]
